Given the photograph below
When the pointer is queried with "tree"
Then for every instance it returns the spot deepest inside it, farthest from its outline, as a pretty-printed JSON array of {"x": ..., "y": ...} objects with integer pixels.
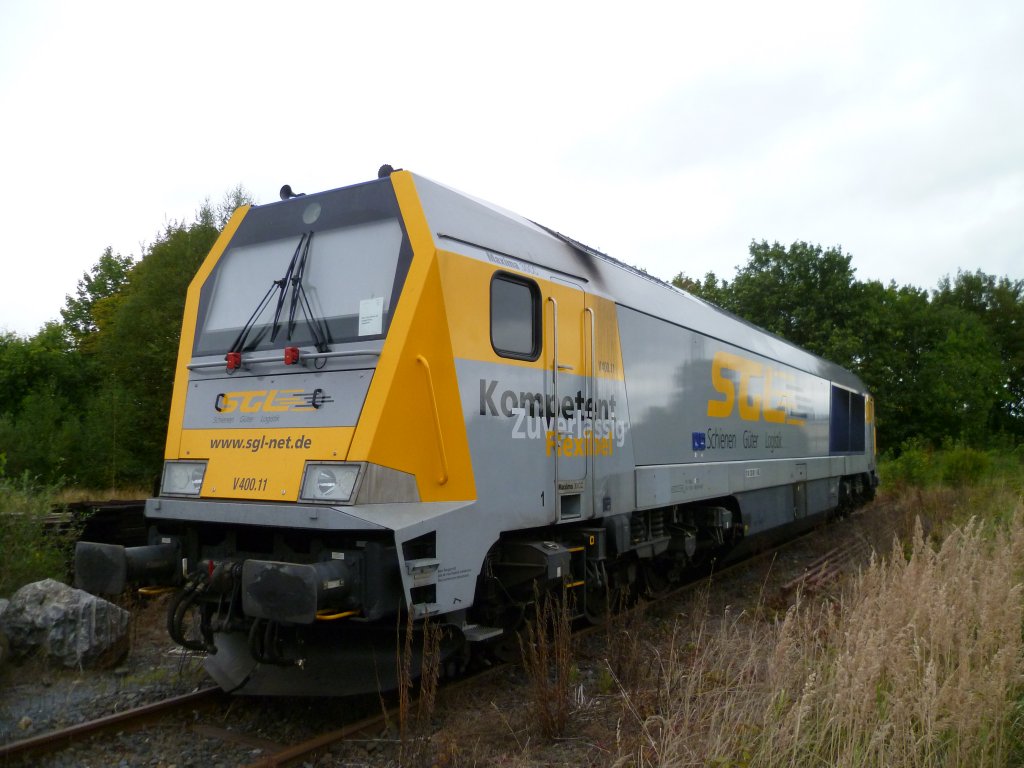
[
  {"x": 41, "y": 439},
  {"x": 233, "y": 199},
  {"x": 42, "y": 383},
  {"x": 710, "y": 289},
  {"x": 83, "y": 312},
  {"x": 104, "y": 458},
  {"x": 999, "y": 305},
  {"x": 804, "y": 293},
  {"x": 136, "y": 351},
  {"x": 933, "y": 369}
]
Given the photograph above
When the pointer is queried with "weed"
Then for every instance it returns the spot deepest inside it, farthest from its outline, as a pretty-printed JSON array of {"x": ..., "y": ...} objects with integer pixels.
[
  {"x": 917, "y": 664},
  {"x": 547, "y": 652},
  {"x": 628, "y": 663},
  {"x": 963, "y": 466},
  {"x": 33, "y": 548},
  {"x": 913, "y": 467},
  {"x": 414, "y": 717}
]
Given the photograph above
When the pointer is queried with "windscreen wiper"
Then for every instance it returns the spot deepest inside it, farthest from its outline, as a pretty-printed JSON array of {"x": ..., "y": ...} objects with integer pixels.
[
  {"x": 317, "y": 327},
  {"x": 304, "y": 240},
  {"x": 280, "y": 285},
  {"x": 239, "y": 343}
]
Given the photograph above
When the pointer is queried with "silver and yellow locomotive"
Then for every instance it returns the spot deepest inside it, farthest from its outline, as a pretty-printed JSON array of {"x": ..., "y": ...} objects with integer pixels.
[{"x": 394, "y": 401}]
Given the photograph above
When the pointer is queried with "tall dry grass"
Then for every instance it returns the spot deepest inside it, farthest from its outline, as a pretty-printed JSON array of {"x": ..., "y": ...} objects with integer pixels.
[
  {"x": 548, "y": 654},
  {"x": 919, "y": 663},
  {"x": 415, "y": 713}
]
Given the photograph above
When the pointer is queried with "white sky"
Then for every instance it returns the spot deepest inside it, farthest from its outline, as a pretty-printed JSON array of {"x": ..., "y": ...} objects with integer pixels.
[{"x": 667, "y": 134}]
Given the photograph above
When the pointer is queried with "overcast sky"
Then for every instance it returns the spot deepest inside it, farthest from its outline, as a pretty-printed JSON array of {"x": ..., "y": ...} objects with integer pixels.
[{"x": 669, "y": 135}]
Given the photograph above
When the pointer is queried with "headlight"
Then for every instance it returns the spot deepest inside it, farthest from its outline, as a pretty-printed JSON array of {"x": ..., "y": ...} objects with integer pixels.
[
  {"x": 329, "y": 482},
  {"x": 183, "y": 478}
]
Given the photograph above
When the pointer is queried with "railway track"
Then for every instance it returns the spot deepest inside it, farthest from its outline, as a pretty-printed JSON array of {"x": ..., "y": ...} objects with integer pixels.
[
  {"x": 828, "y": 568},
  {"x": 117, "y": 521},
  {"x": 48, "y": 743},
  {"x": 311, "y": 747}
]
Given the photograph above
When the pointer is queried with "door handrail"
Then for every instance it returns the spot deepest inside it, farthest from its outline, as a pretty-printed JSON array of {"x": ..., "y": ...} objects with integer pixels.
[
  {"x": 592, "y": 383},
  {"x": 554, "y": 392}
]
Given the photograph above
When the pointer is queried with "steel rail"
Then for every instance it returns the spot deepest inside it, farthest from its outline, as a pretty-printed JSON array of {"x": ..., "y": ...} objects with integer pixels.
[
  {"x": 46, "y": 743},
  {"x": 828, "y": 567}
]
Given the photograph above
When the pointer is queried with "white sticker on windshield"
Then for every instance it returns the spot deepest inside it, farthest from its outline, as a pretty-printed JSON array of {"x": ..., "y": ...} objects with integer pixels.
[{"x": 371, "y": 316}]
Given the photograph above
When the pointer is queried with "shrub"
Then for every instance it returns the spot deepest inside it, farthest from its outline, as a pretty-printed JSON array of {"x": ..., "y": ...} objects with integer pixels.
[
  {"x": 963, "y": 466},
  {"x": 32, "y": 549},
  {"x": 914, "y": 466}
]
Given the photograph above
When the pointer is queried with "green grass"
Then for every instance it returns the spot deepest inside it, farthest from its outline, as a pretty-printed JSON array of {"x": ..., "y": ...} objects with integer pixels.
[
  {"x": 30, "y": 551},
  {"x": 919, "y": 466}
]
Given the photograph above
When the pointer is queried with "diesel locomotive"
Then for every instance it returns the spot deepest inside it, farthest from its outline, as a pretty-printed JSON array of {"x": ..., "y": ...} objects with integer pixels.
[{"x": 397, "y": 403}]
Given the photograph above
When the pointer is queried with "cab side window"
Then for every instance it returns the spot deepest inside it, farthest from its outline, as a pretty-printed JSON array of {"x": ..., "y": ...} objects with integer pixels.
[{"x": 515, "y": 317}]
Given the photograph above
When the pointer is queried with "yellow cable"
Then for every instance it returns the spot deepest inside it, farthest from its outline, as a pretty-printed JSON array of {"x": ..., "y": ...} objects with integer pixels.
[
  {"x": 325, "y": 616},
  {"x": 153, "y": 591}
]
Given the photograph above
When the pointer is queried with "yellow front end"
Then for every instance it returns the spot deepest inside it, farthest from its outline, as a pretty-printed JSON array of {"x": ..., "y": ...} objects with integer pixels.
[{"x": 387, "y": 401}]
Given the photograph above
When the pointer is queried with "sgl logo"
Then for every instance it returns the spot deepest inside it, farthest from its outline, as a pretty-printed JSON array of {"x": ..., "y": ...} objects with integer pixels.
[
  {"x": 758, "y": 391},
  {"x": 270, "y": 401}
]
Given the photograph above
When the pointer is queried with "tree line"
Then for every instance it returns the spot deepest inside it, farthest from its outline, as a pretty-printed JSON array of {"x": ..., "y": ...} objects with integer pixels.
[{"x": 85, "y": 400}]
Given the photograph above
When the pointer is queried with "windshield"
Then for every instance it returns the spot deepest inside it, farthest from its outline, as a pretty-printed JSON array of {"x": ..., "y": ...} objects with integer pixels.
[{"x": 314, "y": 286}]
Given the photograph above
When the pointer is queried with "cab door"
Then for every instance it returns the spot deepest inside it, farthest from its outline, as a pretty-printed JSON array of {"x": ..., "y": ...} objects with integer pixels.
[{"x": 568, "y": 341}]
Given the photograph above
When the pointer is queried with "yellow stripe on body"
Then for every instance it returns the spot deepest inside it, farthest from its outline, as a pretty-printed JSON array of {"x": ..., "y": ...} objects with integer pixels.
[
  {"x": 414, "y": 394},
  {"x": 609, "y": 350},
  {"x": 467, "y": 292},
  {"x": 252, "y": 463},
  {"x": 188, "y": 334}
]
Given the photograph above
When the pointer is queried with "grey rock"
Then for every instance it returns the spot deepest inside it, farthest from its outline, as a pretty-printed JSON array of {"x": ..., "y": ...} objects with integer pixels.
[{"x": 67, "y": 625}]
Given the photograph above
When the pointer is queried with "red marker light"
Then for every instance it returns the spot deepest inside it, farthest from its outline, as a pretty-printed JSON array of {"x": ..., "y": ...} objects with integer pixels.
[
  {"x": 234, "y": 360},
  {"x": 291, "y": 355}
]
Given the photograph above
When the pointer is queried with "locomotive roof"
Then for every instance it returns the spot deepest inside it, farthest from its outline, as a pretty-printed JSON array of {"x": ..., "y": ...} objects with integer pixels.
[{"x": 457, "y": 219}]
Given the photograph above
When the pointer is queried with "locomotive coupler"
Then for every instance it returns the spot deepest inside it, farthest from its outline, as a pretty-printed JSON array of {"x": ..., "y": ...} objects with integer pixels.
[
  {"x": 107, "y": 568},
  {"x": 221, "y": 575},
  {"x": 293, "y": 593}
]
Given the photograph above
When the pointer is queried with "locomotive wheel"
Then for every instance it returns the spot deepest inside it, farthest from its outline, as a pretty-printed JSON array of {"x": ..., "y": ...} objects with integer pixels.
[
  {"x": 612, "y": 594},
  {"x": 657, "y": 581},
  {"x": 596, "y": 605}
]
